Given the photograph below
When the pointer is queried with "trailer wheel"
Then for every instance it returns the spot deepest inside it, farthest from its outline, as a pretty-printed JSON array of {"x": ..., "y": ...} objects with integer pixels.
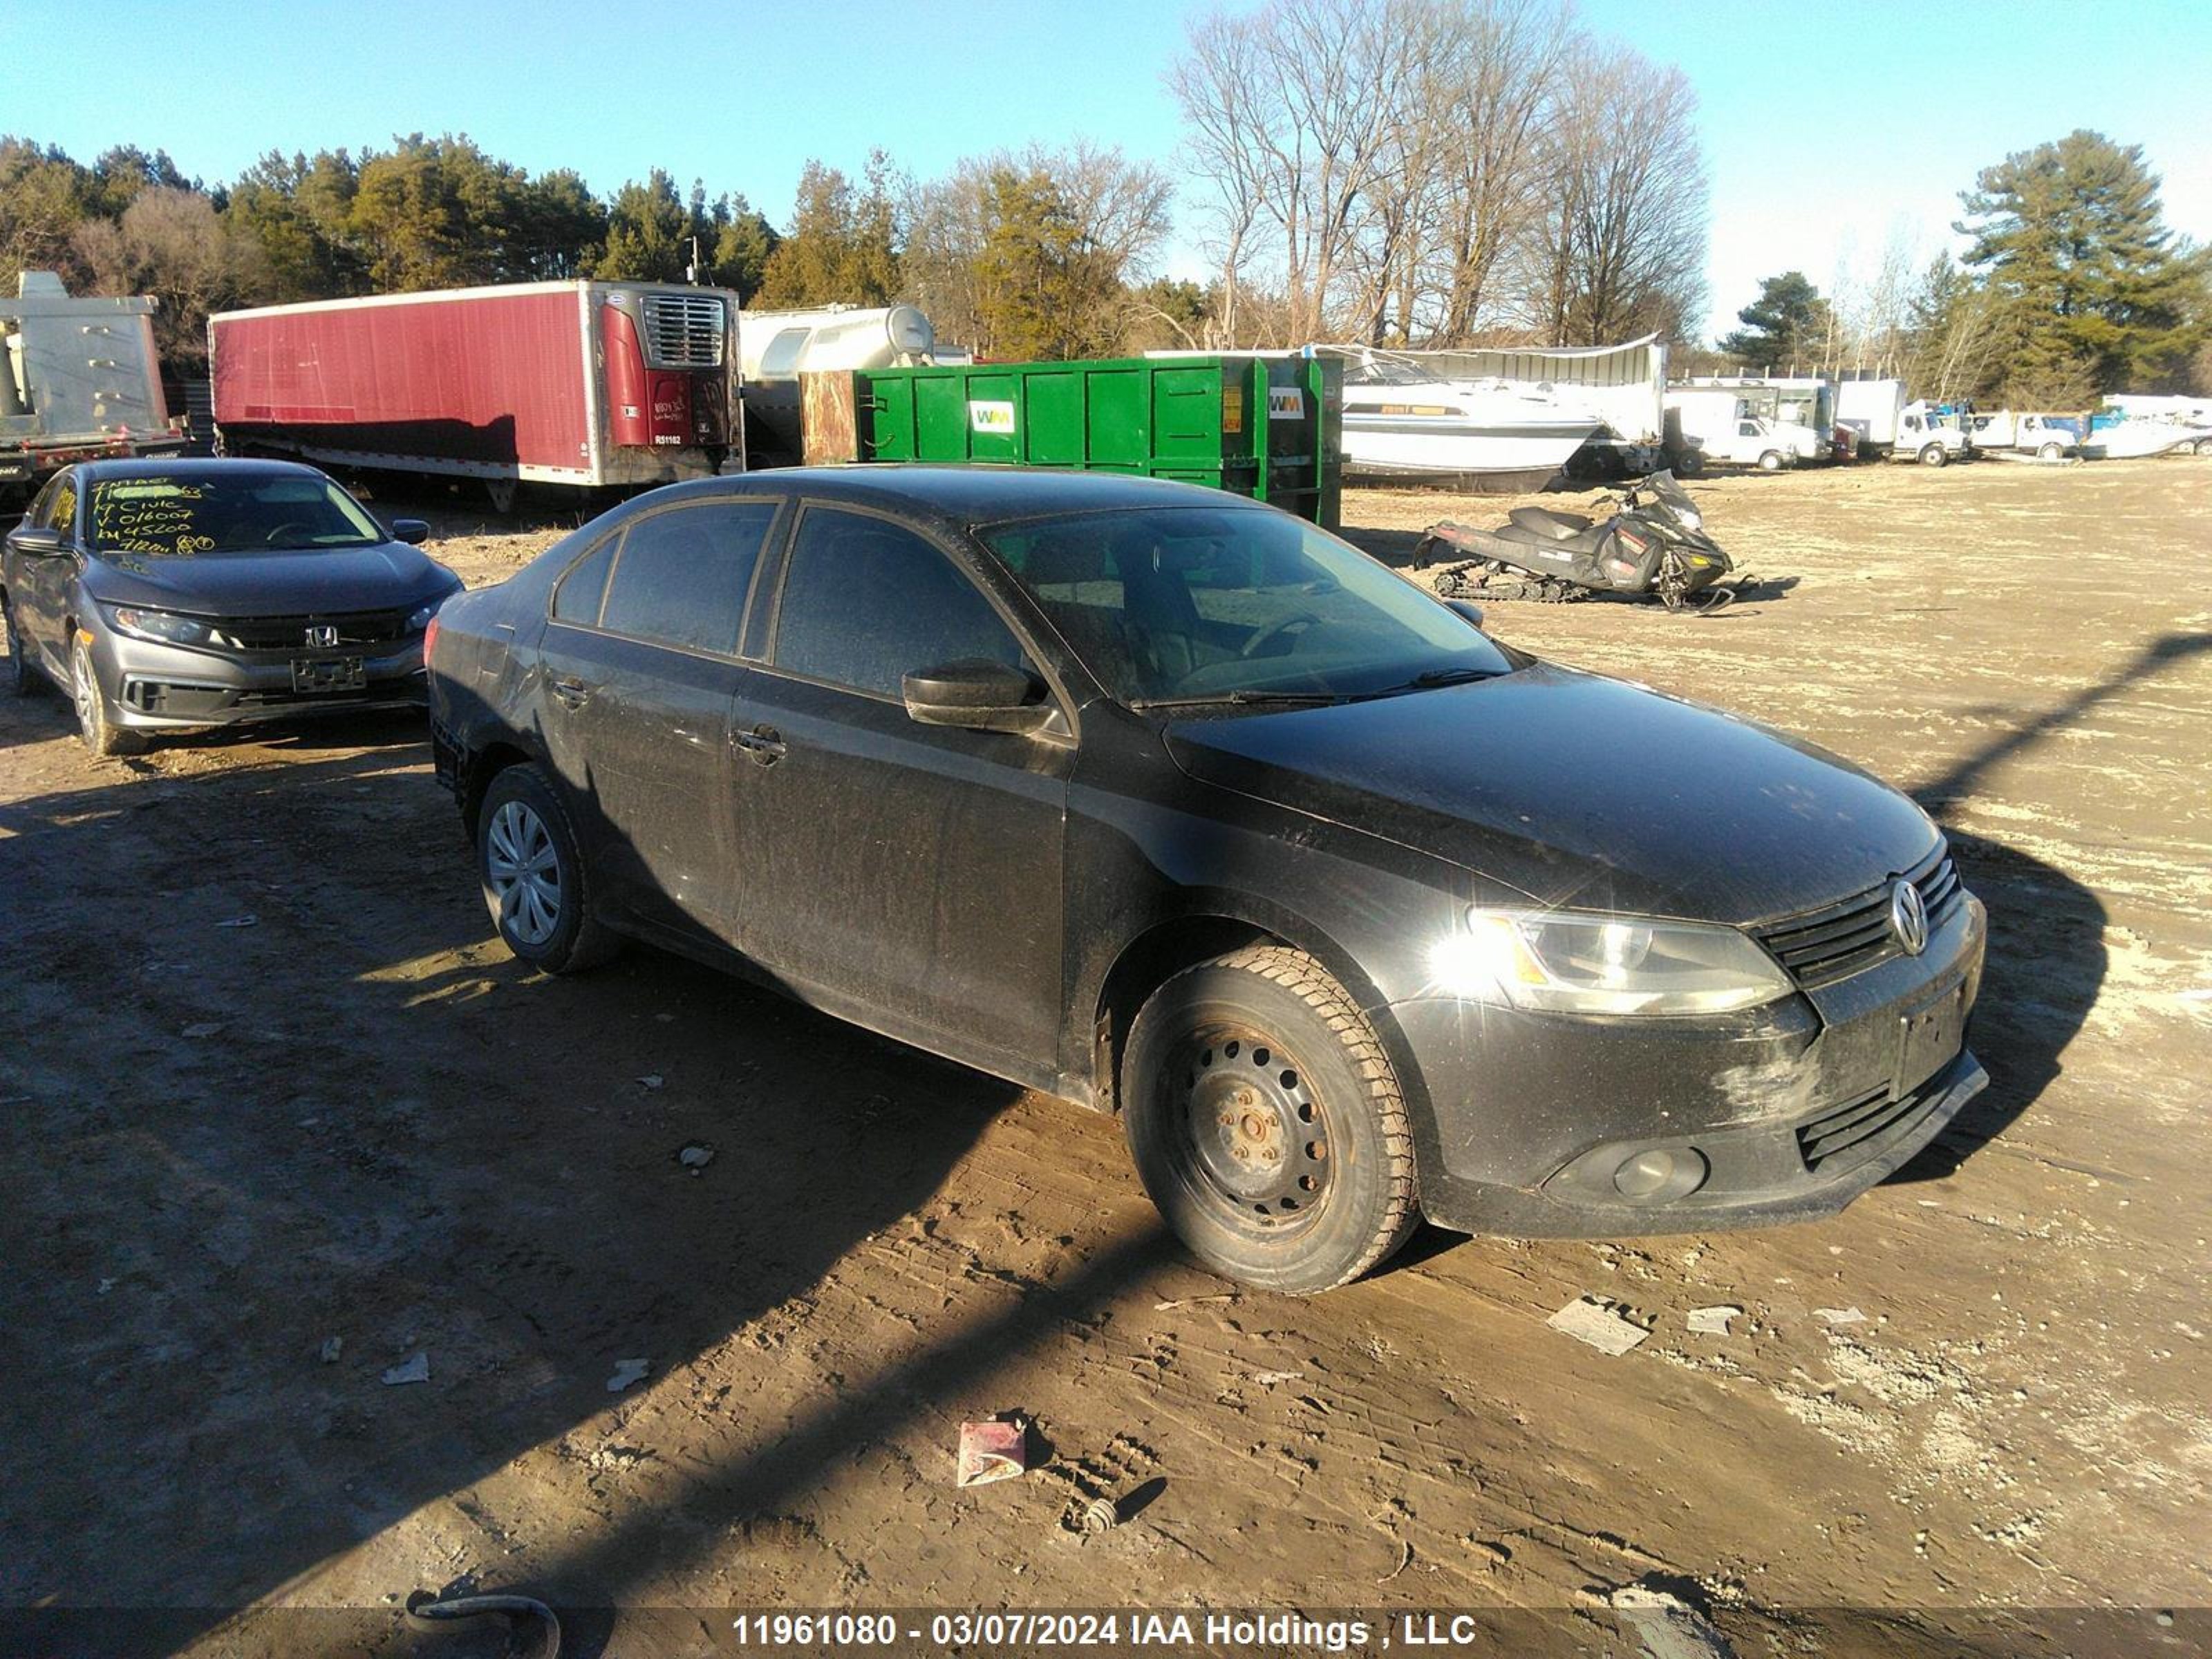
[
  {"x": 1934, "y": 455},
  {"x": 1771, "y": 461}
]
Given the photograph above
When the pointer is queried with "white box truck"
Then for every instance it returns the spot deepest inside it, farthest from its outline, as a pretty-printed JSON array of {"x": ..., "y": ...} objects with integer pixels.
[{"x": 1709, "y": 426}]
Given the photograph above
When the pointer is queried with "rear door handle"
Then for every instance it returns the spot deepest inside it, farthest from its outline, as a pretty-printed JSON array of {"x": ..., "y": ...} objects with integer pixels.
[
  {"x": 764, "y": 744},
  {"x": 573, "y": 693}
]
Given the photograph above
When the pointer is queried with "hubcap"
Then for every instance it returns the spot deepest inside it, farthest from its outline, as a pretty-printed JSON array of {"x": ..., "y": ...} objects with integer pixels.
[
  {"x": 523, "y": 870},
  {"x": 1254, "y": 1141}
]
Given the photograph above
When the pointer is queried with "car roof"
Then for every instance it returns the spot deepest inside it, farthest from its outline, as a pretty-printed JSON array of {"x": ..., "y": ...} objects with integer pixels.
[
  {"x": 972, "y": 495},
  {"x": 192, "y": 467}
]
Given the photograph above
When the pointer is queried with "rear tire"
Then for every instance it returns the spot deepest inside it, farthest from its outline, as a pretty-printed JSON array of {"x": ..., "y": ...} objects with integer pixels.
[
  {"x": 1267, "y": 1123},
  {"x": 100, "y": 734},
  {"x": 536, "y": 883},
  {"x": 24, "y": 679}
]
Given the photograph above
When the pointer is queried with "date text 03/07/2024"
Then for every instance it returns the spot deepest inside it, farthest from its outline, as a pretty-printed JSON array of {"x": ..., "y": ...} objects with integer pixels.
[{"x": 1105, "y": 1630}]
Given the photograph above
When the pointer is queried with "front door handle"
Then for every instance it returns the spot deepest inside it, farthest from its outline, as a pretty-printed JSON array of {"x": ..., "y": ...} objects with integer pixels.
[
  {"x": 764, "y": 744},
  {"x": 573, "y": 693}
]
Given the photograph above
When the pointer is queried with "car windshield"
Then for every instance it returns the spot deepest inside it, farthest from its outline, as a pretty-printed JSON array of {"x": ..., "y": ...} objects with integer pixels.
[
  {"x": 187, "y": 515},
  {"x": 1196, "y": 604}
]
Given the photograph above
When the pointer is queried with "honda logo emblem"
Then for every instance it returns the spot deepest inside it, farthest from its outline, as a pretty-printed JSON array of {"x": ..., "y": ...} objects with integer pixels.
[
  {"x": 1908, "y": 918},
  {"x": 323, "y": 633}
]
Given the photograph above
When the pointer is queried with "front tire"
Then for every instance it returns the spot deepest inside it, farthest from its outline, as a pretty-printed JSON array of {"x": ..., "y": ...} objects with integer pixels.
[
  {"x": 1934, "y": 455},
  {"x": 2050, "y": 452},
  {"x": 536, "y": 884},
  {"x": 1771, "y": 461},
  {"x": 100, "y": 734},
  {"x": 1266, "y": 1122}
]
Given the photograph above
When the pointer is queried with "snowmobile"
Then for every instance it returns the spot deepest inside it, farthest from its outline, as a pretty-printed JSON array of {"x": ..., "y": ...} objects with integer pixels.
[{"x": 1654, "y": 542}]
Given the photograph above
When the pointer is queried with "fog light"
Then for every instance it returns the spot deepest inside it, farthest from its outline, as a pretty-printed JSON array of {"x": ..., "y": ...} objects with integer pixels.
[{"x": 1661, "y": 1175}]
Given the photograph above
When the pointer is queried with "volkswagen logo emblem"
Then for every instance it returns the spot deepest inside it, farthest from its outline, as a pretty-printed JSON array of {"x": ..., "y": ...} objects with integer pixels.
[{"x": 1908, "y": 918}]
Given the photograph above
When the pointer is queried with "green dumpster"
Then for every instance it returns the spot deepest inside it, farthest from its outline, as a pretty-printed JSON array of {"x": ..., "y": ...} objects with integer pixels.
[{"x": 1268, "y": 426}]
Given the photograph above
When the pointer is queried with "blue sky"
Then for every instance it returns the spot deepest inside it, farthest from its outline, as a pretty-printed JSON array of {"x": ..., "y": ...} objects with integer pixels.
[{"x": 1830, "y": 128}]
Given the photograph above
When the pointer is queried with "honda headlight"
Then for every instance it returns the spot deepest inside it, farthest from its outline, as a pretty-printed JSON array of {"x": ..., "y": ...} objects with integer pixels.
[
  {"x": 162, "y": 625},
  {"x": 1567, "y": 962}
]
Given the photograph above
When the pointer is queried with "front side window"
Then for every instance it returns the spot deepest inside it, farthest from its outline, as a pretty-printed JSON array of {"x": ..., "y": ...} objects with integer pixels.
[
  {"x": 680, "y": 576},
  {"x": 866, "y": 603},
  {"x": 190, "y": 514},
  {"x": 1166, "y": 603}
]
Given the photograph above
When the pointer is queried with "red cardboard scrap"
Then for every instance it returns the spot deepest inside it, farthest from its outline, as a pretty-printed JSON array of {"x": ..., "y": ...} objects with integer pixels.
[{"x": 992, "y": 1451}]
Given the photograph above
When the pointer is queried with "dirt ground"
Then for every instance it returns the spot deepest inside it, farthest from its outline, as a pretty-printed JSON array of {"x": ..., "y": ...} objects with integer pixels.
[{"x": 279, "y": 1114}]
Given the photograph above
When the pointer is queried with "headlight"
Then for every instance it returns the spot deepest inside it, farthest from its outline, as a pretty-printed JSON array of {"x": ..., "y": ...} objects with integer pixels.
[
  {"x": 1562, "y": 962},
  {"x": 421, "y": 619},
  {"x": 162, "y": 625}
]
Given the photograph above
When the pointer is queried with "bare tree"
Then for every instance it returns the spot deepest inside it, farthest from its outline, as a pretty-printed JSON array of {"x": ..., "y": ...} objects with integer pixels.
[
  {"x": 1493, "y": 88},
  {"x": 171, "y": 243},
  {"x": 1296, "y": 111},
  {"x": 1623, "y": 251}
]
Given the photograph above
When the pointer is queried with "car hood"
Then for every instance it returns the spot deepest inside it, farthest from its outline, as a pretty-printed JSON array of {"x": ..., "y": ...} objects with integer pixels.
[
  {"x": 1579, "y": 790},
  {"x": 326, "y": 580}
]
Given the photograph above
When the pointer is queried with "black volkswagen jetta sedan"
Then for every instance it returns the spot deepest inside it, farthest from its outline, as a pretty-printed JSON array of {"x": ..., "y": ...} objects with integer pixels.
[
  {"x": 165, "y": 595},
  {"x": 1174, "y": 805}
]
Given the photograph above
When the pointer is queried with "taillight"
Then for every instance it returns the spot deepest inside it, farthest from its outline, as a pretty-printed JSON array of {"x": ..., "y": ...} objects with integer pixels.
[{"x": 430, "y": 638}]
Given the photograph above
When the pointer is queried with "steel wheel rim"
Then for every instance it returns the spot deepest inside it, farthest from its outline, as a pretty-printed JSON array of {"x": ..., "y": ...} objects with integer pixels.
[
  {"x": 522, "y": 867},
  {"x": 1252, "y": 1141}
]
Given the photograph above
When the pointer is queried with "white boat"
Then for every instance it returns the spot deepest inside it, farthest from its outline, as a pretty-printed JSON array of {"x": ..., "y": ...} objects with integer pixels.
[
  {"x": 1486, "y": 436},
  {"x": 2133, "y": 438}
]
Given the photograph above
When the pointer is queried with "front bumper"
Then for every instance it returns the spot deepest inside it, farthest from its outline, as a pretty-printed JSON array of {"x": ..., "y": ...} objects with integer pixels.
[
  {"x": 1794, "y": 1109},
  {"x": 156, "y": 687}
]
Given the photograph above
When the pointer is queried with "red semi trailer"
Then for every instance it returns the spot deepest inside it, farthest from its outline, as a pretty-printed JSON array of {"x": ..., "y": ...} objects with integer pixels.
[{"x": 618, "y": 385}]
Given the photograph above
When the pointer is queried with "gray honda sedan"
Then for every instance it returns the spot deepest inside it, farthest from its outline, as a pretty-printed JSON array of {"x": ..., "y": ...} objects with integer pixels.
[
  {"x": 173, "y": 594},
  {"x": 1178, "y": 807}
]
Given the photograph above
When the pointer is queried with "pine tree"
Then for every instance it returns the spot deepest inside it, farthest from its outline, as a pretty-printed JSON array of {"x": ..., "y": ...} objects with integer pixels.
[
  {"x": 2093, "y": 292},
  {"x": 1781, "y": 326}
]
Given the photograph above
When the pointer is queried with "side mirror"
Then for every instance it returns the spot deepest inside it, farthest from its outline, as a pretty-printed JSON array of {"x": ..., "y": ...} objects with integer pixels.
[
  {"x": 37, "y": 544},
  {"x": 1466, "y": 608},
  {"x": 977, "y": 694},
  {"x": 413, "y": 532}
]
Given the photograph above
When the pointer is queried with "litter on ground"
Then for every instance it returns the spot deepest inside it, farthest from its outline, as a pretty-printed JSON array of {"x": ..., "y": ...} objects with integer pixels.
[
  {"x": 416, "y": 1369},
  {"x": 628, "y": 1372},
  {"x": 1592, "y": 1322},
  {"x": 992, "y": 1451}
]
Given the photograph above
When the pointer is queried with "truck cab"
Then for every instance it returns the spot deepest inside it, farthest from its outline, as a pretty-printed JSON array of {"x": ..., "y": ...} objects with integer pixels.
[{"x": 1932, "y": 434}]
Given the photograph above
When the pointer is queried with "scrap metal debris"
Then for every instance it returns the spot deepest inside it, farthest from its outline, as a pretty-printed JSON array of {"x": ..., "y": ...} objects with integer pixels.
[
  {"x": 1191, "y": 1302},
  {"x": 1101, "y": 1514},
  {"x": 992, "y": 1451},
  {"x": 1713, "y": 1322},
  {"x": 627, "y": 1373},
  {"x": 416, "y": 1369},
  {"x": 1586, "y": 1319}
]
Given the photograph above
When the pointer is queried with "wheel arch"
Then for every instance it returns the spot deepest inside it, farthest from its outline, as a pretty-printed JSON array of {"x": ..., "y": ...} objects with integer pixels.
[
  {"x": 483, "y": 765},
  {"x": 1213, "y": 925}
]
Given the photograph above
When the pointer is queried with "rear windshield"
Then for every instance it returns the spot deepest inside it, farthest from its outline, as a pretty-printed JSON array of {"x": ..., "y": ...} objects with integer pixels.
[{"x": 185, "y": 517}]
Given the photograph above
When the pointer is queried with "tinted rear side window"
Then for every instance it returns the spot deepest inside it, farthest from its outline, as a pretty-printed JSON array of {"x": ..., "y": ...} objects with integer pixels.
[
  {"x": 578, "y": 597},
  {"x": 865, "y": 603},
  {"x": 680, "y": 577}
]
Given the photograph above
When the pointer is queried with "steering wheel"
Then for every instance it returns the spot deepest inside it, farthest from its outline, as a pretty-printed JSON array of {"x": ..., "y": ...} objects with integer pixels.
[
  {"x": 275, "y": 536},
  {"x": 1276, "y": 631}
]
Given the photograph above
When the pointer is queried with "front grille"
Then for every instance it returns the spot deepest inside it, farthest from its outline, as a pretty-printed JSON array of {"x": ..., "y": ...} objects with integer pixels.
[
  {"x": 289, "y": 634},
  {"x": 1837, "y": 940},
  {"x": 683, "y": 330},
  {"x": 1842, "y": 1137}
]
